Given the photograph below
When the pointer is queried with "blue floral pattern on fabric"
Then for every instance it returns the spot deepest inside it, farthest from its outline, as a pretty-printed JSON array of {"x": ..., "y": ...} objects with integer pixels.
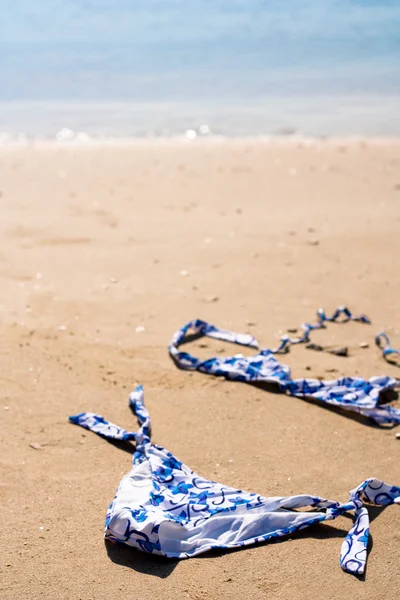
[
  {"x": 163, "y": 507},
  {"x": 349, "y": 393}
]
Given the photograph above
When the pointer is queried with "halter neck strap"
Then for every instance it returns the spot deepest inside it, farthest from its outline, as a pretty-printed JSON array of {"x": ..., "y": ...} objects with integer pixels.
[
  {"x": 201, "y": 328},
  {"x": 341, "y": 311}
]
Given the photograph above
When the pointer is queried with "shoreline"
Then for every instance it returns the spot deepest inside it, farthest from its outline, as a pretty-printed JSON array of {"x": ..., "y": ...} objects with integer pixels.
[
  {"x": 311, "y": 115},
  {"x": 212, "y": 140}
]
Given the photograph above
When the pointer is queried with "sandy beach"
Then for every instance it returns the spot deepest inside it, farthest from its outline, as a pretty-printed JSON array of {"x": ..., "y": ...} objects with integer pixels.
[{"x": 106, "y": 251}]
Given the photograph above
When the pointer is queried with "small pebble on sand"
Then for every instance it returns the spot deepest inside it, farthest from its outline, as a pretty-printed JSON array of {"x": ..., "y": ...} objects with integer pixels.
[
  {"x": 315, "y": 347},
  {"x": 342, "y": 351},
  {"x": 36, "y": 446},
  {"x": 211, "y": 299}
]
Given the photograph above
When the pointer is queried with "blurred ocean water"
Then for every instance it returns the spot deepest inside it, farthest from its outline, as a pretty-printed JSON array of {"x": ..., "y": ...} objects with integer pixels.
[{"x": 123, "y": 68}]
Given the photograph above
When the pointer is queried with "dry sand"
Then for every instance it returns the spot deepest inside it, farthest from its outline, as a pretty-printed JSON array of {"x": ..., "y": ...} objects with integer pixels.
[{"x": 93, "y": 243}]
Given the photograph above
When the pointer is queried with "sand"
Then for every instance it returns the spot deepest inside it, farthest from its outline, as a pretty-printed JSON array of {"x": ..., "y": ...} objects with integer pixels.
[{"x": 94, "y": 243}]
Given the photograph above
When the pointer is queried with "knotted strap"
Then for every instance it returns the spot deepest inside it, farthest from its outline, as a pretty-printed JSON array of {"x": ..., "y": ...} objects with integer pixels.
[
  {"x": 106, "y": 429},
  {"x": 353, "y": 555}
]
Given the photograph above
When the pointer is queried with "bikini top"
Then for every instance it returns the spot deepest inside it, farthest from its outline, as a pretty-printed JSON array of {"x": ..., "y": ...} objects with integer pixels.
[
  {"x": 349, "y": 393},
  {"x": 163, "y": 507}
]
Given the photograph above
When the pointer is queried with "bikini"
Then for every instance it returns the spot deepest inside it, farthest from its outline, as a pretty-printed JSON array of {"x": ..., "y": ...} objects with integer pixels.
[
  {"x": 349, "y": 393},
  {"x": 163, "y": 507}
]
